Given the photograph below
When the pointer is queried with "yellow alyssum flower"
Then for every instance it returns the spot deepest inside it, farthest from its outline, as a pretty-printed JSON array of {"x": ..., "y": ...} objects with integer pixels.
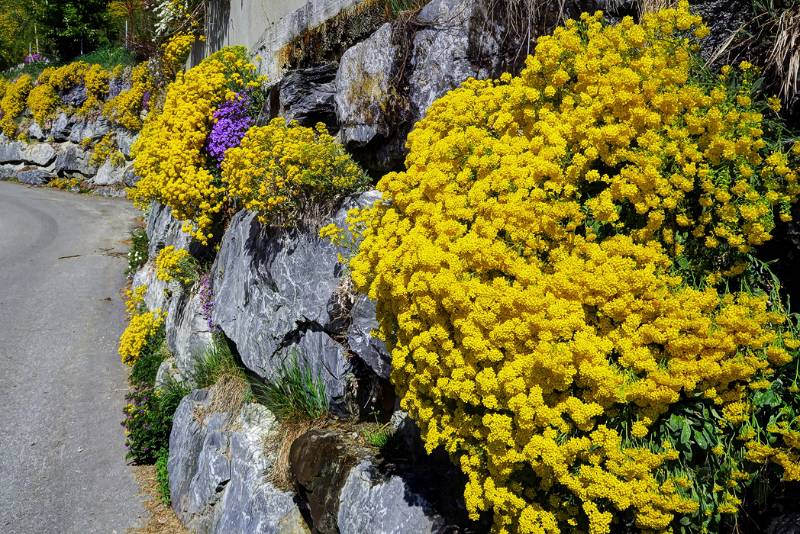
[
  {"x": 140, "y": 330},
  {"x": 282, "y": 171},
  {"x": 13, "y": 103},
  {"x": 524, "y": 270}
]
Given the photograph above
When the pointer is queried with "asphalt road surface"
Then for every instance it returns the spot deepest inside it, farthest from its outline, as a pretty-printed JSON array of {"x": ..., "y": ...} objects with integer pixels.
[{"x": 62, "y": 386}]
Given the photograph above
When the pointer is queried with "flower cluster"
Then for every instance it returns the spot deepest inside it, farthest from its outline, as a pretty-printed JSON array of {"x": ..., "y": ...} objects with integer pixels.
[
  {"x": 282, "y": 170},
  {"x": 105, "y": 149},
  {"x": 142, "y": 327},
  {"x": 35, "y": 58},
  {"x": 45, "y": 98},
  {"x": 176, "y": 264},
  {"x": 529, "y": 274},
  {"x": 170, "y": 155},
  {"x": 231, "y": 121},
  {"x": 126, "y": 108},
  {"x": 15, "y": 95},
  {"x": 175, "y": 51},
  {"x": 97, "y": 82}
]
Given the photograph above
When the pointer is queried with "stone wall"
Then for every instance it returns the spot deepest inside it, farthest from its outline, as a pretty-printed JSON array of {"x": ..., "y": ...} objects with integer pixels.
[{"x": 63, "y": 148}]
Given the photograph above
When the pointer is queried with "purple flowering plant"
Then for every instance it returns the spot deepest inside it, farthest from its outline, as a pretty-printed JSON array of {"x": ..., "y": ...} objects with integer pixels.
[{"x": 232, "y": 119}]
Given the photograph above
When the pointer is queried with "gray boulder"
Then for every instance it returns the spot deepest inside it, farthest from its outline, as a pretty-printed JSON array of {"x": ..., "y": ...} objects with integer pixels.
[
  {"x": 441, "y": 58},
  {"x": 62, "y": 127},
  {"x": 308, "y": 96},
  {"x": 109, "y": 174},
  {"x": 74, "y": 96},
  {"x": 188, "y": 332},
  {"x": 364, "y": 89},
  {"x": 10, "y": 150},
  {"x": 72, "y": 158},
  {"x": 9, "y": 172},
  {"x": 370, "y": 349},
  {"x": 35, "y": 132},
  {"x": 34, "y": 175},
  {"x": 163, "y": 230},
  {"x": 90, "y": 128},
  {"x": 41, "y": 154},
  {"x": 346, "y": 492},
  {"x": 218, "y": 469}
]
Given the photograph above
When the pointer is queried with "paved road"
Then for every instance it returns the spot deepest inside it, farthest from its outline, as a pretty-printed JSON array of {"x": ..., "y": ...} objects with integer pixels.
[{"x": 62, "y": 386}]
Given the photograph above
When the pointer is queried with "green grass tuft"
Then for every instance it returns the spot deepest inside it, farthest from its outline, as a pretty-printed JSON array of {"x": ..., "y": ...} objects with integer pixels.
[
  {"x": 294, "y": 392},
  {"x": 217, "y": 361},
  {"x": 378, "y": 437}
]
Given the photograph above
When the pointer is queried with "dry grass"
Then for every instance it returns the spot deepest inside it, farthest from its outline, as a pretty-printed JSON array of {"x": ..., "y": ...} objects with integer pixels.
[
  {"x": 281, "y": 472},
  {"x": 162, "y": 519},
  {"x": 651, "y": 6},
  {"x": 785, "y": 55},
  {"x": 228, "y": 395}
]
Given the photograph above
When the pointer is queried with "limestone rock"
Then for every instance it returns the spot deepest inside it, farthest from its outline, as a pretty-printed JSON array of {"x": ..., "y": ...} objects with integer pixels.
[
  {"x": 109, "y": 174},
  {"x": 163, "y": 230},
  {"x": 308, "y": 96},
  {"x": 371, "y": 350},
  {"x": 89, "y": 128},
  {"x": 188, "y": 333},
  {"x": 217, "y": 471},
  {"x": 347, "y": 493},
  {"x": 125, "y": 140},
  {"x": 62, "y": 127},
  {"x": 35, "y": 132},
  {"x": 364, "y": 89},
  {"x": 10, "y": 150},
  {"x": 40, "y": 154},
  {"x": 34, "y": 175},
  {"x": 441, "y": 58},
  {"x": 72, "y": 158}
]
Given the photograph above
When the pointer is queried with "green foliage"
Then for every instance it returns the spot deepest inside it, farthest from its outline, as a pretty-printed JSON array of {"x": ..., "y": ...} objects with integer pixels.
[
  {"x": 217, "y": 361},
  {"x": 109, "y": 57},
  {"x": 148, "y": 420},
  {"x": 137, "y": 254},
  {"x": 162, "y": 477},
  {"x": 294, "y": 392},
  {"x": 145, "y": 368}
]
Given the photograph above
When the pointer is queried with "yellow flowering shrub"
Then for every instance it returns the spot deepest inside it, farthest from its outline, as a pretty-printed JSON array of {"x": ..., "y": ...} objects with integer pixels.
[
  {"x": 176, "y": 264},
  {"x": 142, "y": 327},
  {"x": 13, "y": 103},
  {"x": 175, "y": 52},
  {"x": 105, "y": 149},
  {"x": 96, "y": 79},
  {"x": 534, "y": 273},
  {"x": 44, "y": 99},
  {"x": 282, "y": 170},
  {"x": 126, "y": 108},
  {"x": 169, "y": 153}
]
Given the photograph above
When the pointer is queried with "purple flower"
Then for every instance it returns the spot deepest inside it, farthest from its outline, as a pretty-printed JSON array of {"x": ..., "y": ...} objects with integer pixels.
[
  {"x": 146, "y": 100},
  {"x": 231, "y": 122},
  {"x": 35, "y": 58}
]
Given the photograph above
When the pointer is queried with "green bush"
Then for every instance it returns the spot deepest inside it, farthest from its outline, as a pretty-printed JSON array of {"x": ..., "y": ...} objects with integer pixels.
[
  {"x": 148, "y": 420},
  {"x": 137, "y": 254},
  {"x": 162, "y": 477},
  {"x": 145, "y": 368},
  {"x": 294, "y": 392}
]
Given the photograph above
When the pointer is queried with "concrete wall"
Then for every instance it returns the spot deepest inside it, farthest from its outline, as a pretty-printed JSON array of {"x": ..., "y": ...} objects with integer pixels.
[{"x": 264, "y": 26}]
